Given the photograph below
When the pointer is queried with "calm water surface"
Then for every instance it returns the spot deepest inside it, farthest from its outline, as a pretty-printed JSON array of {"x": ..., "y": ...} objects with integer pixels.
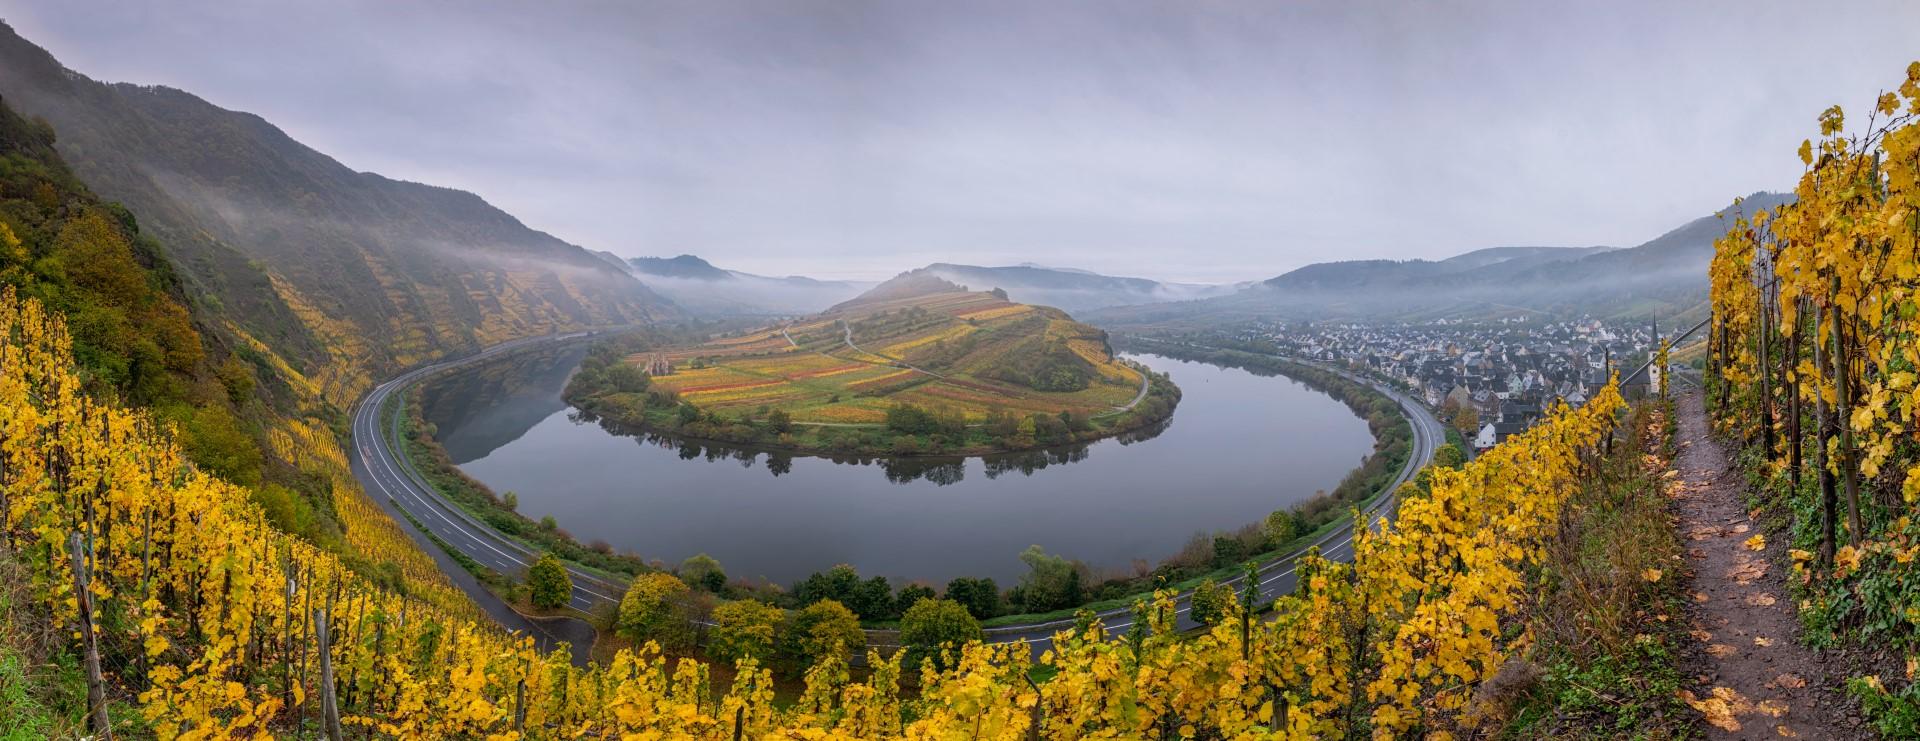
[{"x": 1238, "y": 447}]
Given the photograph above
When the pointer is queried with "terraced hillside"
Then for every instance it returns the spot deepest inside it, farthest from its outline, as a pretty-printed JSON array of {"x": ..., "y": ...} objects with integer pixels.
[
  {"x": 918, "y": 364},
  {"x": 348, "y": 275}
]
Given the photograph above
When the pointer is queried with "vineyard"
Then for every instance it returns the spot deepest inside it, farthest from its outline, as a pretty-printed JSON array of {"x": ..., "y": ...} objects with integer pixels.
[
  {"x": 974, "y": 361},
  {"x": 938, "y": 349},
  {"x": 219, "y": 625},
  {"x": 1813, "y": 361}
]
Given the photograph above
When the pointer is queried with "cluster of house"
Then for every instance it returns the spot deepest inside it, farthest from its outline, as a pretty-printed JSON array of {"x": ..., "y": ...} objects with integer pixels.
[{"x": 1506, "y": 372}]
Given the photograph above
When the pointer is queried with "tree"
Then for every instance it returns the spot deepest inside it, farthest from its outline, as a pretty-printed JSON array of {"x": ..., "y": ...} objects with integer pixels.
[
  {"x": 286, "y": 509},
  {"x": 908, "y": 419},
  {"x": 510, "y": 499},
  {"x": 744, "y": 628},
  {"x": 1466, "y": 419},
  {"x": 873, "y": 600},
  {"x": 933, "y": 623},
  {"x": 1227, "y": 550},
  {"x": 215, "y": 440},
  {"x": 1209, "y": 602},
  {"x": 779, "y": 421},
  {"x": 651, "y": 610},
  {"x": 549, "y": 582},
  {"x": 838, "y": 584},
  {"x": 1025, "y": 431},
  {"x": 624, "y": 378},
  {"x": 703, "y": 571},
  {"x": 1051, "y": 582},
  {"x": 1448, "y": 456},
  {"x": 911, "y": 594},
  {"x": 981, "y": 597},
  {"x": 819, "y": 629},
  {"x": 1280, "y": 527},
  {"x": 1001, "y": 425}
]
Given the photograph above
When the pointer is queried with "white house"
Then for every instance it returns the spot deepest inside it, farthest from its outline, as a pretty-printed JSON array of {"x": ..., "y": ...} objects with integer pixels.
[{"x": 1486, "y": 438}]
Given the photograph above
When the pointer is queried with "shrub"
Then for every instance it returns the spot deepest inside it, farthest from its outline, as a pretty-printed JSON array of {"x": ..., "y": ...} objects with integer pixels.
[
  {"x": 742, "y": 629},
  {"x": 910, "y": 595},
  {"x": 551, "y": 586},
  {"x": 1051, "y": 583},
  {"x": 704, "y": 572},
  {"x": 1227, "y": 550},
  {"x": 651, "y": 610},
  {"x": 981, "y": 597},
  {"x": 820, "y": 629},
  {"x": 1210, "y": 602},
  {"x": 1280, "y": 527},
  {"x": 932, "y": 623}
]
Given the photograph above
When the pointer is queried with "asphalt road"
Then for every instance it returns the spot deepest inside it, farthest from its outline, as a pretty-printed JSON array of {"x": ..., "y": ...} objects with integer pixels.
[
  {"x": 392, "y": 480},
  {"x": 1276, "y": 576}
]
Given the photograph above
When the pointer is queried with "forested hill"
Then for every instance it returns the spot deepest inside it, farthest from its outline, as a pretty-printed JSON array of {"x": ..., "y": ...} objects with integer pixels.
[{"x": 367, "y": 273}]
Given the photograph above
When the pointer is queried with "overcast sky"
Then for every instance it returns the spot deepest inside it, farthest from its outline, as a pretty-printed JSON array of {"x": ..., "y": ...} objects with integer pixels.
[{"x": 1183, "y": 140}]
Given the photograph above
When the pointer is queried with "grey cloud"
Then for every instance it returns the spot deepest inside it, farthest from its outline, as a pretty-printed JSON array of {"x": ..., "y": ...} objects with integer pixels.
[{"x": 1181, "y": 140}]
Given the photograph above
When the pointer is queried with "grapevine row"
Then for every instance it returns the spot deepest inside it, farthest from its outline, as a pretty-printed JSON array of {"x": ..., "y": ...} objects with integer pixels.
[{"x": 213, "y": 616}]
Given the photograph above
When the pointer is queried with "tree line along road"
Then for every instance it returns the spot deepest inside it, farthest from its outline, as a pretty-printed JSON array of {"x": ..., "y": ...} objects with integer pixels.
[{"x": 391, "y": 479}]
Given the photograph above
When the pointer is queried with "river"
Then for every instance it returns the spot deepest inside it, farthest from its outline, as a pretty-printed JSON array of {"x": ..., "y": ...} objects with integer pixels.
[{"x": 1238, "y": 447}]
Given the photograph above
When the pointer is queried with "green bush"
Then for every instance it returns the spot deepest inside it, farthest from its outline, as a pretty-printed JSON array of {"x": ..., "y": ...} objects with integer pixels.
[
  {"x": 551, "y": 587},
  {"x": 819, "y": 629},
  {"x": 655, "y": 609},
  {"x": 743, "y": 629},
  {"x": 931, "y": 624}
]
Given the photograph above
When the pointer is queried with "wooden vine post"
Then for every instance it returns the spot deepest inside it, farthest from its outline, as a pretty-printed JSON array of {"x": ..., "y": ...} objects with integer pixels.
[
  {"x": 329, "y": 704},
  {"x": 96, "y": 690}
]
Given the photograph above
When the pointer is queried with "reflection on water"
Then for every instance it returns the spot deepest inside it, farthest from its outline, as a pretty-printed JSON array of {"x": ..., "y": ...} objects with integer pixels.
[
  {"x": 938, "y": 470},
  {"x": 1238, "y": 447},
  {"x": 478, "y": 409}
]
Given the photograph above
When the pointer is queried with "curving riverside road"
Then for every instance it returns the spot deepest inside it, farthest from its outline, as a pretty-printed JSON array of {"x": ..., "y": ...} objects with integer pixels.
[
  {"x": 392, "y": 481},
  {"x": 1276, "y": 576},
  {"x": 390, "y": 477}
]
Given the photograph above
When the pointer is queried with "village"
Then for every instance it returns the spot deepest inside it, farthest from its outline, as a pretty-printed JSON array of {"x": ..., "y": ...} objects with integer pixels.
[{"x": 1489, "y": 379}]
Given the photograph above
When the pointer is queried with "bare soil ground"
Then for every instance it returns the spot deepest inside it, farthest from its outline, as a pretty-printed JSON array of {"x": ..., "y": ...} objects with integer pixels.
[{"x": 1752, "y": 678}]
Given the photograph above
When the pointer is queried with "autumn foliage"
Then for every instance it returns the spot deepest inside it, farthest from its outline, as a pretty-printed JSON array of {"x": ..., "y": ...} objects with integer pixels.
[
  {"x": 1813, "y": 360},
  {"x": 222, "y": 609}
]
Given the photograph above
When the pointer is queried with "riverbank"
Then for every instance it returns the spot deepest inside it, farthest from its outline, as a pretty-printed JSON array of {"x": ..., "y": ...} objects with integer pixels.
[
  {"x": 607, "y": 390},
  {"x": 1275, "y": 576}
]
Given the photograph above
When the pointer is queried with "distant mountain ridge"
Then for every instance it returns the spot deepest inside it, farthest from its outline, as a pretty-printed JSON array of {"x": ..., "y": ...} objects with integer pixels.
[
  {"x": 1479, "y": 265},
  {"x": 367, "y": 274},
  {"x": 1072, "y": 289},
  {"x": 911, "y": 284},
  {"x": 1663, "y": 276},
  {"x": 702, "y": 288},
  {"x": 684, "y": 266}
]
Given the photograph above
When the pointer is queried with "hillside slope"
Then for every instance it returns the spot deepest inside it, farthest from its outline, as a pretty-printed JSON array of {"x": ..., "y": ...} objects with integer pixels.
[
  {"x": 1663, "y": 276},
  {"x": 369, "y": 274},
  {"x": 703, "y": 289},
  {"x": 139, "y": 334},
  {"x": 915, "y": 365},
  {"x": 1073, "y": 290}
]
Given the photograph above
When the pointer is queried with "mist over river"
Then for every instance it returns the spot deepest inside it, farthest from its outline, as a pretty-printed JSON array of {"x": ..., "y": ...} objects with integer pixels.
[{"x": 1238, "y": 447}]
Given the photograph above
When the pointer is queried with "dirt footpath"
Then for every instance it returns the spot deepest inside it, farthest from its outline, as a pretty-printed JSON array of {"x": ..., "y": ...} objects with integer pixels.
[{"x": 1751, "y": 679}]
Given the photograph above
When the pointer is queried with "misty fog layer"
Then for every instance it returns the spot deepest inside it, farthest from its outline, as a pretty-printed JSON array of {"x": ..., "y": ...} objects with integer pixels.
[{"x": 1187, "y": 142}]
